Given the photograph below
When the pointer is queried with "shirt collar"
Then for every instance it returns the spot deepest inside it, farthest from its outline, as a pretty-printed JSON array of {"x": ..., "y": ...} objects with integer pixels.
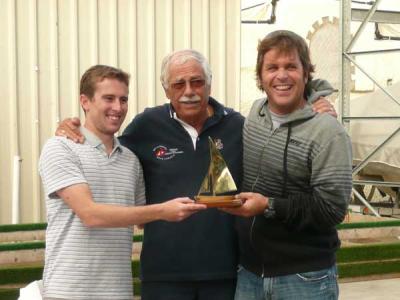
[{"x": 95, "y": 142}]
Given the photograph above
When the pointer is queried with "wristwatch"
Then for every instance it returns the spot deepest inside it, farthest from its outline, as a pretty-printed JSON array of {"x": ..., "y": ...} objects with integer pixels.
[{"x": 269, "y": 212}]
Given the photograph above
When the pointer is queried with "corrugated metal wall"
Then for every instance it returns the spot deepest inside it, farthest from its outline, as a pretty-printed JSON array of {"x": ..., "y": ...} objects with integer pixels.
[{"x": 46, "y": 45}]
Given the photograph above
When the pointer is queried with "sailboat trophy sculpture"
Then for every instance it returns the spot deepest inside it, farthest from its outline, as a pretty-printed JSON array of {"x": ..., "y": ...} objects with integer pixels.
[{"x": 218, "y": 183}]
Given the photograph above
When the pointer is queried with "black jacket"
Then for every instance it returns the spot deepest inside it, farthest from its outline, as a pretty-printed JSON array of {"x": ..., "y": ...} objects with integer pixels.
[{"x": 204, "y": 246}]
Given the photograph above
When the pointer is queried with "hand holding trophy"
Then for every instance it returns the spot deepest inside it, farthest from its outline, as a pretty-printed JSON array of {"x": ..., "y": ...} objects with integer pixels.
[{"x": 217, "y": 183}]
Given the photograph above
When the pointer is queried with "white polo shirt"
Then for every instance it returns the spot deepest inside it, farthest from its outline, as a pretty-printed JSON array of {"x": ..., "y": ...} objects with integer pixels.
[{"x": 82, "y": 262}]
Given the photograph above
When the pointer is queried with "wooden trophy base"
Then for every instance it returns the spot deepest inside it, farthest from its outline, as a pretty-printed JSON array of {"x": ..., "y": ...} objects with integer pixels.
[{"x": 218, "y": 201}]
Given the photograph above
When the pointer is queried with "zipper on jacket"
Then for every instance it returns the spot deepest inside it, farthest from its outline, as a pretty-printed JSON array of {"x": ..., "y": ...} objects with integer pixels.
[
  {"x": 251, "y": 231},
  {"x": 268, "y": 139},
  {"x": 251, "y": 242}
]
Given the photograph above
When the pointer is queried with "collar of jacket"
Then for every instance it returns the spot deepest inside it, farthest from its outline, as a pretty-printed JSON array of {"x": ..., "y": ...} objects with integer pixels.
[{"x": 299, "y": 114}]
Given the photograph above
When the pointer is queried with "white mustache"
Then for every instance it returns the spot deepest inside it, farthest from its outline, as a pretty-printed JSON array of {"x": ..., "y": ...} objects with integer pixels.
[{"x": 185, "y": 99}]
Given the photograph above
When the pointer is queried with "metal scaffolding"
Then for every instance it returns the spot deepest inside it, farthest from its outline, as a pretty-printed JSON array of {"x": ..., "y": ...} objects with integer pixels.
[{"x": 348, "y": 58}]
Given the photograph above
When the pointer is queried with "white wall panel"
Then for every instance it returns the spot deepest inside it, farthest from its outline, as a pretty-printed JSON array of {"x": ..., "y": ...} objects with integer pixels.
[
  {"x": 146, "y": 53},
  {"x": 46, "y": 46},
  {"x": 9, "y": 142},
  {"x": 232, "y": 56},
  {"x": 164, "y": 40}
]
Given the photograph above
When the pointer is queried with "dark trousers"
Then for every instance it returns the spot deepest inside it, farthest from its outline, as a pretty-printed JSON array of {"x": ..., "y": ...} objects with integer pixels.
[{"x": 189, "y": 290}]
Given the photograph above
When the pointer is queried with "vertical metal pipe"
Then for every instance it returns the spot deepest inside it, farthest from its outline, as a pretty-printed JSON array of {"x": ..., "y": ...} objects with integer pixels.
[
  {"x": 114, "y": 58},
  {"x": 13, "y": 98},
  {"x": 149, "y": 18},
  {"x": 35, "y": 102},
  {"x": 54, "y": 58},
  {"x": 133, "y": 61},
  {"x": 95, "y": 35},
  {"x": 206, "y": 29},
  {"x": 345, "y": 74},
  {"x": 15, "y": 217},
  {"x": 75, "y": 67},
  {"x": 233, "y": 61}
]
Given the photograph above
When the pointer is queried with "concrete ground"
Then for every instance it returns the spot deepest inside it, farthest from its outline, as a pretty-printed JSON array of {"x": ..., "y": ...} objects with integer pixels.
[{"x": 371, "y": 289}]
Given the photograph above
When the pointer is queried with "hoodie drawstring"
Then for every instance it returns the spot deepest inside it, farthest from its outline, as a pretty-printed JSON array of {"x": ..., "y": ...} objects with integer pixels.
[{"x": 285, "y": 168}]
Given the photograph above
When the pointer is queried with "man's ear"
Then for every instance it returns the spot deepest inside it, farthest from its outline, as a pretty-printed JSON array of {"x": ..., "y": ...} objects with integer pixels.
[
  {"x": 209, "y": 90},
  {"x": 84, "y": 100},
  {"x": 305, "y": 78},
  {"x": 167, "y": 93}
]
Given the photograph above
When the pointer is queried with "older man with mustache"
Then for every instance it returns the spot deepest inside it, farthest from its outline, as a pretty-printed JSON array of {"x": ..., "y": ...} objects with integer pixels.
[{"x": 198, "y": 259}]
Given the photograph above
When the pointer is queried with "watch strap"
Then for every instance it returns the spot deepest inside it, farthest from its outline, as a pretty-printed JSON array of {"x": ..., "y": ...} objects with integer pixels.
[{"x": 269, "y": 212}]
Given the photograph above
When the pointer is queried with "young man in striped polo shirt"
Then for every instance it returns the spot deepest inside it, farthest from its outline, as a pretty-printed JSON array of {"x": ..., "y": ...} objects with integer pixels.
[{"x": 92, "y": 190}]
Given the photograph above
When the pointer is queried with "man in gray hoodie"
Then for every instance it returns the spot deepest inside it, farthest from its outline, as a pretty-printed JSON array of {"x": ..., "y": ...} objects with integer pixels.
[{"x": 296, "y": 185}]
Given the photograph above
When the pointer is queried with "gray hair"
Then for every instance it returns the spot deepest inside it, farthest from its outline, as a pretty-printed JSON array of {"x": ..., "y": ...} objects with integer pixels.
[{"x": 181, "y": 57}]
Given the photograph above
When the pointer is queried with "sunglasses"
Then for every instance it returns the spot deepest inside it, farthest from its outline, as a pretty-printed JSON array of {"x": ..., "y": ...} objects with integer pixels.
[{"x": 194, "y": 83}]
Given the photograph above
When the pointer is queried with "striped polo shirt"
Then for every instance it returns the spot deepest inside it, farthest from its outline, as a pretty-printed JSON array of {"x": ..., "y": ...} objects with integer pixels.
[{"x": 82, "y": 262}]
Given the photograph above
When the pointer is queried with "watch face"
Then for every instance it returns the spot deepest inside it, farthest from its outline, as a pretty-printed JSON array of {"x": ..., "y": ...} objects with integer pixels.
[
  {"x": 269, "y": 213},
  {"x": 271, "y": 202}
]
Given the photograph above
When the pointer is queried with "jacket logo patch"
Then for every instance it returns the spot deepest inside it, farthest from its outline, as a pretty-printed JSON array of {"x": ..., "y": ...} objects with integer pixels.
[
  {"x": 218, "y": 144},
  {"x": 163, "y": 153},
  {"x": 294, "y": 142}
]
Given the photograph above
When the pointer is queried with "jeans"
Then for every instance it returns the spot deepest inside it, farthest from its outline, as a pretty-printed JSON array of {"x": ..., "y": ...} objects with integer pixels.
[{"x": 315, "y": 285}]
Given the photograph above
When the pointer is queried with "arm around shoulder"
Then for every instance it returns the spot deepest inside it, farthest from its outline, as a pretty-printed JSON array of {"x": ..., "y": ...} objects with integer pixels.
[{"x": 332, "y": 178}]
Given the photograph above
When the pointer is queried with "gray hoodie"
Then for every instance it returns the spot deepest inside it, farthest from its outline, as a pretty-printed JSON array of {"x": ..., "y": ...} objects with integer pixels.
[{"x": 305, "y": 164}]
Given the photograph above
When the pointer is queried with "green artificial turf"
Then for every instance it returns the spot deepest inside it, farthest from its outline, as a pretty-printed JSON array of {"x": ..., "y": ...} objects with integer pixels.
[
  {"x": 352, "y": 261},
  {"x": 368, "y": 225},
  {"x": 9, "y": 294},
  {"x": 23, "y": 227},
  {"x": 135, "y": 268},
  {"x": 368, "y": 253},
  {"x": 42, "y": 226},
  {"x": 368, "y": 268},
  {"x": 20, "y": 274},
  {"x": 41, "y": 244},
  {"x": 22, "y": 246},
  {"x": 138, "y": 238},
  {"x": 136, "y": 287},
  {"x": 25, "y": 274}
]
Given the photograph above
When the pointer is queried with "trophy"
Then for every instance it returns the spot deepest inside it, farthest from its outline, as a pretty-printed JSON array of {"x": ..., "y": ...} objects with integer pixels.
[{"x": 217, "y": 183}]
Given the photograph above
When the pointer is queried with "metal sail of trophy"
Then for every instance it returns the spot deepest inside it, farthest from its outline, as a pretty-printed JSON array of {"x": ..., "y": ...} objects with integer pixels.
[{"x": 217, "y": 183}]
